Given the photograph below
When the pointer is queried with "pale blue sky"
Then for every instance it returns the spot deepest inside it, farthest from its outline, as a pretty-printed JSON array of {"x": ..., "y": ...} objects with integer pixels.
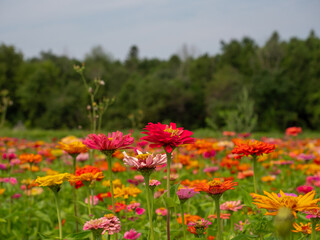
[{"x": 158, "y": 27}]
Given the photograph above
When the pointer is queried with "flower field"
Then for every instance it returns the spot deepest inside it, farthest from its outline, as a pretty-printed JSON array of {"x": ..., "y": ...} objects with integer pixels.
[{"x": 161, "y": 184}]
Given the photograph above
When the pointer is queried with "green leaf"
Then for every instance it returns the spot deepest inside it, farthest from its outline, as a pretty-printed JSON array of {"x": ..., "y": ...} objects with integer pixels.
[
  {"x": 3, "y": 220},
  {"x": 80, "y": 235}
]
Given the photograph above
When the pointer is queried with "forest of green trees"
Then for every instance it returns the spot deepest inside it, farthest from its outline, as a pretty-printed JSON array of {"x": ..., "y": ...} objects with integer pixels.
[{"x": 243, "y": 88}]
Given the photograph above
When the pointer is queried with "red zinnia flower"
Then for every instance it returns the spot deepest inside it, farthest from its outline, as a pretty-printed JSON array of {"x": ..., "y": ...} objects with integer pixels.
[
  {"x": 293, "y": 131},
  {"x": 251, "y": 147},
  {"x": 216, "y": 186},
  {"x": 115, "y": 140},
  {"x": 168, "y": 136}
]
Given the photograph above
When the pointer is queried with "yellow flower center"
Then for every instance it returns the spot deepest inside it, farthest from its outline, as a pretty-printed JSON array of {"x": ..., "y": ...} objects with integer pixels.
[
  {"x": 143, "y": 157},
  {"x": 109, "y": 215},
  {"x": 110, "y": 139},
  {"x": 289, "y": 201},
  {"x": 174, "y": 132},
  {"x": 214, "y": 183}
]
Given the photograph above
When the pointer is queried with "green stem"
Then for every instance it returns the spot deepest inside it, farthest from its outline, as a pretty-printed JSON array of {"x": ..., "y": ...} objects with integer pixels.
[
  {"x": 231, "y": 222},
  {"x": 183, "y": 224},
  {"x": 146, "y": 180},
  {"x": 58, "y": 214},
  {"x": 74, "y": 195},
  {"x": 168, "y": 192},
  {"x": 313, "y": 233},
  {"x": 92, "y": 205},
  {"x": 216, "y": 200},
  {"x": 110, "y": 179},
  {"x": 254, "y": 162},
  {"x": 89, "y": 208}
]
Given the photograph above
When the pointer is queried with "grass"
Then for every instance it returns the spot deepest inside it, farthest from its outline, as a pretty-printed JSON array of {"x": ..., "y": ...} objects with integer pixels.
[{"x": 48, "y": 135}]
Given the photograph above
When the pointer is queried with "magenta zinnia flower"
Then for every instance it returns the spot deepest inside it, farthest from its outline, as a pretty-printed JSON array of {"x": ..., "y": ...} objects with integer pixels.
[
  {"x": 168, "y": 136},
  {"x": 132, "y": 234},
  {"x": 114, "y": 141},
  {"x": 144, "y": 161},
  {"x": 304, "y": 189},
  {"x": 186, "y": 193},
  {"x": 231, "y": 206}
]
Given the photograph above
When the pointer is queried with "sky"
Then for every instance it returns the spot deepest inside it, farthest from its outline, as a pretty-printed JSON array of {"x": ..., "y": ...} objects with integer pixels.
[{"x": 158, "y": 27}]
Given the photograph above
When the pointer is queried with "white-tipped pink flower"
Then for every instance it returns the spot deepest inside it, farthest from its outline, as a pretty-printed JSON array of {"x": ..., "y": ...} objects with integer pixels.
[
  {"x": 144, "y": 160},
  {"x": 231, "y": 206}
]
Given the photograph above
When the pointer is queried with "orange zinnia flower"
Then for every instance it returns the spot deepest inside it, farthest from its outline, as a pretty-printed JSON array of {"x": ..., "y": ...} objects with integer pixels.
[
  {"x": 272, "y": 202},
  {"x": 188, "y": 218},
  {"x": 216, "y": 186},
  {"x": 30, "y": 158},
  {"x": 253, "y": 148},
  {"x": 304, "y": 228},
  {"x": 86, "y": 174}
]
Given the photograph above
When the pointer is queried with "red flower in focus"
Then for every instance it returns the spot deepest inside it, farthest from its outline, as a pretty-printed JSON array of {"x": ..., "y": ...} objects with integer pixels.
[
  {"x": 216, "y": 186},
  {"x": 115, "y": 140},
  {"x": 251, "y": 147},
  {"x": 85, "y": 169},
  {"x": 293, "y": 131},
  {"x": 168, "y": 136}
]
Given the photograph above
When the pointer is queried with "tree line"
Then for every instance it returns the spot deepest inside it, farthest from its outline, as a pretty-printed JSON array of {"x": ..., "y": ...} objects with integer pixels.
[{"x": 245, "y": 87}]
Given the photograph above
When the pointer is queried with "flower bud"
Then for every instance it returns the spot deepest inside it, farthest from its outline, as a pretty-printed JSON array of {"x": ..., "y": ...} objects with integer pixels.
[{"x": 283, "y": 222}]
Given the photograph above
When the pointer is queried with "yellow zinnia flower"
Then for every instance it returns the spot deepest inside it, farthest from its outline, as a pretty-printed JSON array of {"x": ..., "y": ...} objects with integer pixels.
[
  {"x": 116, "y": 183},
  {"x": 272, "y": 202},
  {"x": 74, "y": 147},
  {"x": 126, "y": 192},
  {"x": 2, "y": 190},
  {"x": 52, "y": 180}
]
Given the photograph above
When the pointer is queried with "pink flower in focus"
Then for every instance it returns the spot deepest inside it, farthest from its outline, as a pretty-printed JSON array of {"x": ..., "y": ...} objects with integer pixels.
[
  {"x": 144, "y": 161},
  {"x": 304, "y": 189},
  {"x": 132, "y": 234},
  {"x": 161, "y": 212},
  {"x": 167, "y": 136},
  {"x": 95, "y": 200},
  {"x": 115, "y": 140},
  {"x": 186, "y": 193},
  {"x": 231, "y": 206}
]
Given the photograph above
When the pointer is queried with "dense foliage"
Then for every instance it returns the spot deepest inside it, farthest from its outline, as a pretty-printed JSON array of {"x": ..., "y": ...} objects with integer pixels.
[{"x": 244, "y": 87}]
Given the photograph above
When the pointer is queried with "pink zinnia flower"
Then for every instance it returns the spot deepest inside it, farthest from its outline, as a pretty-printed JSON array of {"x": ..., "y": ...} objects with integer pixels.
[
  {"x": 9, "y": 156},
  {"x": 167, "y": 136},
  {"x": 304, "y": 189},
  {"x": 231, "y": 206},
  {"x": 95, "y": 200},
  {"x": 200, "y": 223},
  {"x": 154, "y": 182},
  {"x": 240, "y": 225},
  {"x": 186, "y": 193},
  {"x": 313, "y": 213},
  {"x": 161, "y": 212},
  {"x": 132, "y": 234},
  {"x": 136, "y": 208},
  {"x": 210, "y": 169},
  {"x": 11, "y": 180},
  {"x": 144, "y": 161},
  {"x": 209, "y": 154},
  {"x": 82, "y": 157},
  {"x": 16, "y": 195},
  {"x": 115, "y": 140},
  {"x": 109, "y": 223}
]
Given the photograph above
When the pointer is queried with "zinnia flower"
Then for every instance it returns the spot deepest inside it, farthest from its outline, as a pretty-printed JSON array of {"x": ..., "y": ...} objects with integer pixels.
[
  {"x": 293, "y": 131},
  {"x": 304, "y": 189},
  {"x": 73, "y": 148},
  {"x": 86, "y": 174},
  {"x": 198, "y": 227},
  {"x": 167, "y": 136},
  {"x": 132, "y": 234},
  {"x": 30, "y": 158},
  {"x": 144, "y": 161},
  {"x": 272, "y": 202},
  {"x": 253, "y": 148},
  {"x": 231, "y": 206},
  {"x": 304, "y": 228},
  {"x": 215, "y": 187},
  {"x": 185, "y": 193},
  {"x": 53, "y": 181},
  {"x": 109, "y": 223},
  {"x": 126, "y": 192},
  {"x": 162, "y": 212},
  {"x": 115, "y": 140}
]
